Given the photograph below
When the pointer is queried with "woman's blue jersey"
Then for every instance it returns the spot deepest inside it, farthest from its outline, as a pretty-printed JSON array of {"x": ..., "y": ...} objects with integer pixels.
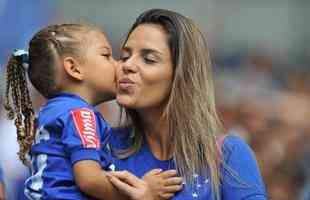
[{"x": 240, "y": 180}]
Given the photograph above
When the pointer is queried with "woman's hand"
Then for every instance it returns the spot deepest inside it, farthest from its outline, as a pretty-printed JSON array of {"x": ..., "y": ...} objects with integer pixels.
[
  {"x": 155, "y": 184},
  {"x": 163, "y": 184},
  {"x": 130, "y": 185}
]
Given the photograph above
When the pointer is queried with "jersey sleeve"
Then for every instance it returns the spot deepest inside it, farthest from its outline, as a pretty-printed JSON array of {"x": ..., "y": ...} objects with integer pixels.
[
  {"x": 105, "y": 150},
  {"x": 241, "y": 178},
  {"x": 81, "y": 136}
]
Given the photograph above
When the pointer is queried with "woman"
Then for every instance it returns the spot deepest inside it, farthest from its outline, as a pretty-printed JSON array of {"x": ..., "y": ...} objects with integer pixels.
[{"x": 165, "y": 84}]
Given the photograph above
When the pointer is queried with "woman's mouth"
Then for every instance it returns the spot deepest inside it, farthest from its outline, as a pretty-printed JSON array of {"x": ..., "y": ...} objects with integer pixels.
[{"x": 125, "y": 83}]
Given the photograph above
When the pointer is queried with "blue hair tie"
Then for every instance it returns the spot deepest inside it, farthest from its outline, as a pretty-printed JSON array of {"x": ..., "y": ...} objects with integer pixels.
[{"x": 24, "y": 55}]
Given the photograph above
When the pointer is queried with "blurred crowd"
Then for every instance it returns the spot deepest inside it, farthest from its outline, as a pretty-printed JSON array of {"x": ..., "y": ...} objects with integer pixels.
[{"x": 270, "y": 108}]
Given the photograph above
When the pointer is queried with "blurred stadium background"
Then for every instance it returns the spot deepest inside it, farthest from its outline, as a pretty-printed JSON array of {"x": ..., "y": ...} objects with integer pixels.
[{"x": 261, "y": 57}]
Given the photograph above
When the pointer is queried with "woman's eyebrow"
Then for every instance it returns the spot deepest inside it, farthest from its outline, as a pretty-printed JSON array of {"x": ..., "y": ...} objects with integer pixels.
[
  {"x": 143, "y": 51},
  {"x": 151, "y": 51}
]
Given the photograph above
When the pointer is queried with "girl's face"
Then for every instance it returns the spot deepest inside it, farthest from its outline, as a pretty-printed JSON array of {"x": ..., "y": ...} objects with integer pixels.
[
  {"x": 144, "y": 75},
  {"x": 100, "y": 66}
]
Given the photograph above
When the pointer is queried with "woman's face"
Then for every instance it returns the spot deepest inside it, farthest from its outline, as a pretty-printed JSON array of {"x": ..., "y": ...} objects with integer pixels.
[{"x": 144, "y": 75}]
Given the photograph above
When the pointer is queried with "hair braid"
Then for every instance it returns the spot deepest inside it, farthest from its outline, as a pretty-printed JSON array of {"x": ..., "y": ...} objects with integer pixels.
[
  {"x": 7, "y": 103},
  {"x": 19, "y": 106}
]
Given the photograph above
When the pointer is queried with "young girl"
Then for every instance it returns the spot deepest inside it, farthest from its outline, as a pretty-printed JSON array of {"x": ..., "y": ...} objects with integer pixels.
[{"x": 72, "y": 66}]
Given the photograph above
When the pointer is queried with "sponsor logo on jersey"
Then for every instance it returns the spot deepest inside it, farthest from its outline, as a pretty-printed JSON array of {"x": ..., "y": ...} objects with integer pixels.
[{"x": 85, "y": 123}]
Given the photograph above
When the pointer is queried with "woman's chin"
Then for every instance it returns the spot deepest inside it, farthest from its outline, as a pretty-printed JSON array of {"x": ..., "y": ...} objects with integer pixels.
[{"x": 125, "y": 101}]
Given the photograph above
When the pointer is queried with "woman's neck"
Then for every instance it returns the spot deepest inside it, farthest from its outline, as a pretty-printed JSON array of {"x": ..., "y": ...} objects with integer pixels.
[{"x": 156, "y": 132}]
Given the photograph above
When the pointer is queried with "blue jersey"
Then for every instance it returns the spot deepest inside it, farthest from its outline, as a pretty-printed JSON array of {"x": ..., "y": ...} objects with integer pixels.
[
  {"x": 68, "y": 130},
  {"x": 241, "y": 178}
]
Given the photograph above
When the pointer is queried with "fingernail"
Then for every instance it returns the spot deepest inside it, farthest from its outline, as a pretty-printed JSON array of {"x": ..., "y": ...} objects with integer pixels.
[{"x": 109, "y": 175}]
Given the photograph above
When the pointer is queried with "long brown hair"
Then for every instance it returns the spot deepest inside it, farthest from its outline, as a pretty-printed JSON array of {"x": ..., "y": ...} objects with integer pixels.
[
  {"x": 190, "y": 111},
  {"x": 46, "y": 48}
]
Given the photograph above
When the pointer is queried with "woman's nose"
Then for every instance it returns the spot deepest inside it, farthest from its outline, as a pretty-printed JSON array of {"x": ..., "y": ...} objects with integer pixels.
[{"x": 129, "y": 66}]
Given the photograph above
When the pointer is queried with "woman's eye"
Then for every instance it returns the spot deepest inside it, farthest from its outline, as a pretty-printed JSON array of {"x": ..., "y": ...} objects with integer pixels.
[{"x": 149, "y": 60}]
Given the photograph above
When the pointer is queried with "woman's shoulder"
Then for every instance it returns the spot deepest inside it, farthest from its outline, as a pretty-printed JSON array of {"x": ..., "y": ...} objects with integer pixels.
[
  {"x": 233, "y": 144},
  {"x": 233, "y": 140},
  {"x": 241, "y": 174}
]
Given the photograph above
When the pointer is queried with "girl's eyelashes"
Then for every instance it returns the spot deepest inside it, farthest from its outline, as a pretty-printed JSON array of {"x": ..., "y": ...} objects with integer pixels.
[
  {"x": 106, "y": 55},
  {"x": 124, "y": 57}
]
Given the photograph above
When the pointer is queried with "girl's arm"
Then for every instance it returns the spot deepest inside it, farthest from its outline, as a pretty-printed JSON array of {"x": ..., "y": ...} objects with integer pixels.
[
  {"x": 93, "y": 181},
  {"x": 85, "y": 153}
]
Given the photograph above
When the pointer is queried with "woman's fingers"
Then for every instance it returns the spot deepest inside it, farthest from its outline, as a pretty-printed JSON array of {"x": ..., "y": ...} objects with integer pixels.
[
  {"x": 152, "y": 173},
  {"x": 172, "y": 188},
  {"x": 122, "y": 186},
  {"x": 168, "y": 173},
  {"x": 173, "y": 181},
  {"x": 127, "y": 177},
  {"x": 130, "y": 185},
  {"x": 167, "y": 195}
]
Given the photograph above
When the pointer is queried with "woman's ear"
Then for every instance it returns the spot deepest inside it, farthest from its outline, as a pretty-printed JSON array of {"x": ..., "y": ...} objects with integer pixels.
[{"x": 73, "y": 68}]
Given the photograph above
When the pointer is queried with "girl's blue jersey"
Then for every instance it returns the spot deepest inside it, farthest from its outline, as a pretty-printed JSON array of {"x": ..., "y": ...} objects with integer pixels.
[{"x": 68, "y": 130}]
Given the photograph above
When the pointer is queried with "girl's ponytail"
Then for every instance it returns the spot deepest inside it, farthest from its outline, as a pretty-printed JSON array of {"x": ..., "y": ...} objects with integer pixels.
[{"x": 17, "y": 102}]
